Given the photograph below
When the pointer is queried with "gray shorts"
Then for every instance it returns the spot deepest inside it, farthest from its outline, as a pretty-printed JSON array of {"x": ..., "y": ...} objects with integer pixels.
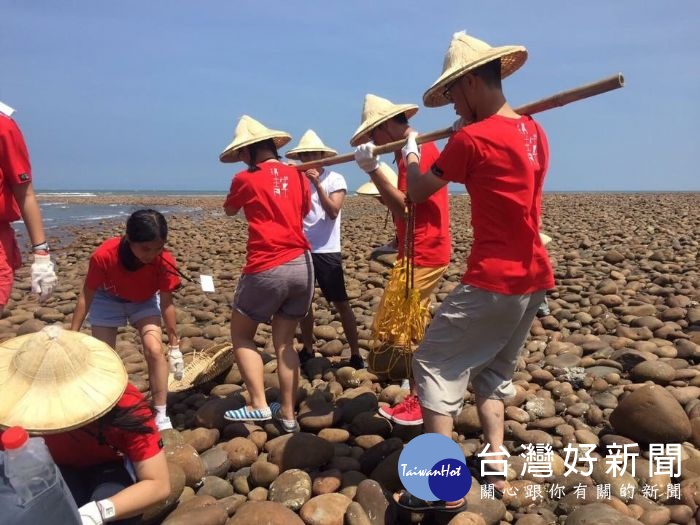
[
  {"x": 475, "y": 335},
  {"x": 110, "y": 311},
  {"x": 285, "y": 290}
]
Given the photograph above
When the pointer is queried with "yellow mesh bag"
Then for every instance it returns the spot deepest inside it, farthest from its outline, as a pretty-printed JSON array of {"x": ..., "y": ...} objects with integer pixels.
[{"x": 399, "y": 323}]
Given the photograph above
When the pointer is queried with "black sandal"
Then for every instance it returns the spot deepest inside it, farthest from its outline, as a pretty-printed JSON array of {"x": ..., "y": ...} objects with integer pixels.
[
  {"x": 408, "y": 501},
  {"x": 474, "y": 466}
]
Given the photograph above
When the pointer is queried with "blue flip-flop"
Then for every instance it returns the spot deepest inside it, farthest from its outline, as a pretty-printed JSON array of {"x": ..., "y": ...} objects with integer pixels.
[{"x": 248, "y": 414}]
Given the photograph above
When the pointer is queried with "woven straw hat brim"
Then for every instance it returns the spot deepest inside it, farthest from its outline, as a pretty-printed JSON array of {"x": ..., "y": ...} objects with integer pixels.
[
  {"x": 294, "y": 153},
  {"x": 368, "y": 189},
  {"x": 205, "y": 365},
  {"x": 233, "y": 150},
  {"x": 53, "y": 398},
  {"x": 512, "y": 58},
  {"x": 360, "y": 135}
]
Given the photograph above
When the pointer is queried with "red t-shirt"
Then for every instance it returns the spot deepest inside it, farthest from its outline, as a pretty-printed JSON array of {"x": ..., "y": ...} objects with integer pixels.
[
  {"x": 502, "y": 162},
  {"x": 81, "y": 447},
  {"x": 432, "y": 242},
  {"x": 106, "y": 272},
  {"x": 275, "y": 199},
  {"x": 14, "y": 167}
]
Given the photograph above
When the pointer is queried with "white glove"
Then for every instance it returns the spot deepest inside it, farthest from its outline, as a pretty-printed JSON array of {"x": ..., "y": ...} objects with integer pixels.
[
  {"x": 410, "y": 147},
  {"x": 365, "y": 157},
  {"x": 90, "y": 514},
  {"x": 177, "y": 365},
  {"x": 43, "y": 276}
]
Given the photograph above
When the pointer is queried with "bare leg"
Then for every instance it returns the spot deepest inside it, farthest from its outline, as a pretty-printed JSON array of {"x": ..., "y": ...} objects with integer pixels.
[
  {"x": 105, "y": 334},
  {"x": 152, "y": 343},
  {"x": 437, "y": 423},
  {"x": 492, "y": 418},
  {"x": 248, "y": 359},
  {"x": 307, "y": 330},
  {"x": 347, "y": 318},
  {"x": 287, "y": 363}
]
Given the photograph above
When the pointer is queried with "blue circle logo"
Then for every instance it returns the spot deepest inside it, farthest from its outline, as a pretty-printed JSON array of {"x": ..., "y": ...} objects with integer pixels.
[{"x": 431, "y": 467}]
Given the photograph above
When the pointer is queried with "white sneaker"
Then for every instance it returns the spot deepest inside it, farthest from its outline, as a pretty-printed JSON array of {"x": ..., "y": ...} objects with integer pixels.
[{"x": 163, "y": 423}]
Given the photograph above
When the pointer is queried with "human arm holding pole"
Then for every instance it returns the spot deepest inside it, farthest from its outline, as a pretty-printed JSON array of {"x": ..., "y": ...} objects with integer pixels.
[{"x": 392, "y": 197}]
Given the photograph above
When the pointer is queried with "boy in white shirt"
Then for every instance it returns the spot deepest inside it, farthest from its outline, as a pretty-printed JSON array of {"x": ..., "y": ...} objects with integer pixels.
[{"x": 322, "y": 229}]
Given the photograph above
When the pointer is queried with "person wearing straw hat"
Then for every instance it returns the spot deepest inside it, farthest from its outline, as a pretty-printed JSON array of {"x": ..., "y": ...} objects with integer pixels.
[
  {"x": 17, "y": 199},
  {"x": 131, "y": 280},
  {"x": 276, "y": 283},
  {"x": 383, "y": 122},
  {"x": 73, "y": 390},
  {"x": 322, "y": 229},
  {"x": 477, "y": 333}
]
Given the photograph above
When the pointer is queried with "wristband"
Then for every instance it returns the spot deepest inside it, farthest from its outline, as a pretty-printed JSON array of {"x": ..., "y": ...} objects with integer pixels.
[
  {"x": 107, "y": 510},
  {"x": 42, "y": 246}
]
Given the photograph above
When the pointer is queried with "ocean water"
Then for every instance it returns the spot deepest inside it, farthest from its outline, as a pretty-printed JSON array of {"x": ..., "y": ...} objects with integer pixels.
[
  {"x": 58, "y": 213},
  {"x": 61, "y": 217}
]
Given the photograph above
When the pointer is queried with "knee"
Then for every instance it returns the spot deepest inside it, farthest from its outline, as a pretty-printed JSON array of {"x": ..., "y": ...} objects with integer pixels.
[{"x": 153, "y": 351}]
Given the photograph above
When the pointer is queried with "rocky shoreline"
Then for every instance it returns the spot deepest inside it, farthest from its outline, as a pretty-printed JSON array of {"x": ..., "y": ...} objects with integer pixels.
[{"x": 615, "y": 362}]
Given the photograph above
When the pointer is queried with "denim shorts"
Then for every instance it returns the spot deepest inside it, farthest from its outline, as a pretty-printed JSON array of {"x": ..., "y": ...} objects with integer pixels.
[{"x": 111, "y": 311}]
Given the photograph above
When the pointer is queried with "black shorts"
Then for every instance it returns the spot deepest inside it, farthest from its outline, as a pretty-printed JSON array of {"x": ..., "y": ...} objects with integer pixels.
[{"x": 328, "y": 268}]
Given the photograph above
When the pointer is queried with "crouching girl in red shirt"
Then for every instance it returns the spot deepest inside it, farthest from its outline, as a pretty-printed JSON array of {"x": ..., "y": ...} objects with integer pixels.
[
  {"x": 97, "y": 427},
  {"x": 132, "y": 279}
]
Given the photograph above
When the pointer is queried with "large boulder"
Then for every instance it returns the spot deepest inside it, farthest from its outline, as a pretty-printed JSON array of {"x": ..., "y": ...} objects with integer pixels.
[
  {"x": 651, "y": 415},
  {"x": 302, "y": 451}
]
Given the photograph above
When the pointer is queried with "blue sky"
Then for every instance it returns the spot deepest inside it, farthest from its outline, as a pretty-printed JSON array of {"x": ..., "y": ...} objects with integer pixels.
[{"x": 146, "y": 94}]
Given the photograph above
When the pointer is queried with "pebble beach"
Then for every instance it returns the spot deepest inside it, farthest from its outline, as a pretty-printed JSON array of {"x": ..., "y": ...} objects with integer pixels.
[{"x": 614, "y": 365}]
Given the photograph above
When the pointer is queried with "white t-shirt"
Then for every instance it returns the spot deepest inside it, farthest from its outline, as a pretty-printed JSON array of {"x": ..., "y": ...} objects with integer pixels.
[{"x": 323, "y": 232}]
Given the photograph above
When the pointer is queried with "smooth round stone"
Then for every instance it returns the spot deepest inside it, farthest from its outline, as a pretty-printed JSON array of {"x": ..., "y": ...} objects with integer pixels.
[
  {"x": 601, "y": 371},
  {"x": 656, "y": 371},
  {"x": 563, "y": 360},
  {"x": 334, "y": 435},
  {"x": 605, "y": 400}
]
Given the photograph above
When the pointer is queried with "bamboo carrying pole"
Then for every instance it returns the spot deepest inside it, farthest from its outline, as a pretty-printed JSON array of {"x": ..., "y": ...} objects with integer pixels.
[{"x": 554, "y": 101}]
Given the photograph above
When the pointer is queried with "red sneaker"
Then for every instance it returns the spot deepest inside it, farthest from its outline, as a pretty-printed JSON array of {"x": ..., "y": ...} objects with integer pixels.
[
  {"x": 408, "y": 412},
  {"x": 387, "y": 412}
]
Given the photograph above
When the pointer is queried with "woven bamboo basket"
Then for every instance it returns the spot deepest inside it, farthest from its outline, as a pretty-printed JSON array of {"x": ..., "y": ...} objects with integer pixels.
[{"x": 205, "y": 365}]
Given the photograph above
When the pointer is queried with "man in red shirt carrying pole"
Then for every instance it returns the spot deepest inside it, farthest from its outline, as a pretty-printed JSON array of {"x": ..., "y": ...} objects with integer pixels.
[
  {"x": 501, "y": 157},
  {"x": 17, "y": 199},
  {"x": 384, "y": 122}
]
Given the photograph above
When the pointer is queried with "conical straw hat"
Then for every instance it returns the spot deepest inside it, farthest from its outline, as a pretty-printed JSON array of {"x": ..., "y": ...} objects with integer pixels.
[
  {"x": 546, "y": 239},
  {"x": 56, "y": 380},
  {"x": 249, "y": 131},
  {"x": 465, "y": 54},
  {"x": 368, "y": 189},
  {"x": 309, "y": 143},
  {"x": 375, "y": 111}
]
